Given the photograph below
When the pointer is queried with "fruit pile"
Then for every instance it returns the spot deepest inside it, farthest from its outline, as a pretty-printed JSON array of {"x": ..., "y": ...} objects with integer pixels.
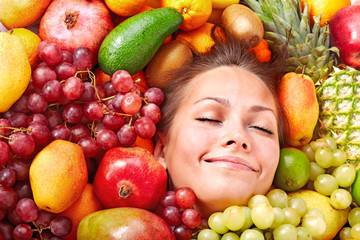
[{"x": 81, "y": 99}]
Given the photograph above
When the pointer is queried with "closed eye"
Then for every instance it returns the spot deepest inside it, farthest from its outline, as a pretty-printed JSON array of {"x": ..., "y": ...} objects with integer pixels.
[
  {"x": 263, "y": 129},
  {"x": 209, "y": 120}
]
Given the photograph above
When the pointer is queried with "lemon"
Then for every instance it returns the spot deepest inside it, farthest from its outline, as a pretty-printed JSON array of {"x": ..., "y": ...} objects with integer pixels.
[
  {"x": 334, "y": 219},
  {"x": 221, "y": 4},
  {"x": 15, "y": 70},
  {"x": 31, "y": 42},
  {"x": 293, "y": 171}
]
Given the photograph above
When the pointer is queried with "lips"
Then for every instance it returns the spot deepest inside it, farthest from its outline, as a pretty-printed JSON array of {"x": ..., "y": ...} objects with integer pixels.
[{"x": 231, "y": 162}]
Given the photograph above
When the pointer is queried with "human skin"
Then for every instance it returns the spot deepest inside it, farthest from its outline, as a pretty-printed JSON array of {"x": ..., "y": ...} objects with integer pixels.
[{"x": 223, "y": 142}]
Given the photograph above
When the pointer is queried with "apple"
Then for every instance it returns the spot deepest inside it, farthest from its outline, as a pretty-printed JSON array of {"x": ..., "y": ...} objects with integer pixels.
[
  {"x": 345, "y": 34},
  {"x": 130, "y": 177}
]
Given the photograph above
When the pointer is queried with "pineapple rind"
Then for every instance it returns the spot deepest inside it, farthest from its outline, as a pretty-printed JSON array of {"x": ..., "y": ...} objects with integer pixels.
[{"x": 339, "y": 100}]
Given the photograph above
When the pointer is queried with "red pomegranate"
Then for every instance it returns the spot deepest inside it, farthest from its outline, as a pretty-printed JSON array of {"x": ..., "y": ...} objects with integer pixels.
[
  {"x": 74, "y": 23},
  {"x": 130, "y": 177}
]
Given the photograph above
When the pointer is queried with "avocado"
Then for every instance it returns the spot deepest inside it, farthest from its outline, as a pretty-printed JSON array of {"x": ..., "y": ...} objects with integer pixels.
[{"x": 132, "y": 44}]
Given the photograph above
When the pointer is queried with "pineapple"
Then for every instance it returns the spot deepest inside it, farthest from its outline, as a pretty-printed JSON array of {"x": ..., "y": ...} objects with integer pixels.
[
  {"x": 339, "y": 101},
  {"x": 286, "y": 26}
]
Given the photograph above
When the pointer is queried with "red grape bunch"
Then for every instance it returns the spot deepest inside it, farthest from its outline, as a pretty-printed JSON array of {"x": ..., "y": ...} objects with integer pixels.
[
  {"x": 63, "y": 101},
  {"x": 176, "y": 208}
]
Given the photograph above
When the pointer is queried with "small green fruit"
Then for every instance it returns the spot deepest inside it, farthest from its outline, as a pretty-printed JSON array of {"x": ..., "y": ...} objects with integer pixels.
[{"x": 293, "y": 171}]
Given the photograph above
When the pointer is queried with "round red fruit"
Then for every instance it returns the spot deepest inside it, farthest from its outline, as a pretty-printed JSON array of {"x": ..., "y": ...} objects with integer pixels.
[{"x": 130, "y": 177}]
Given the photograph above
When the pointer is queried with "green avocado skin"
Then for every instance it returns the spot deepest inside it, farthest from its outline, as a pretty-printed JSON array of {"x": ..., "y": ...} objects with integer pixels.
[{"x": 132, "y": 44}]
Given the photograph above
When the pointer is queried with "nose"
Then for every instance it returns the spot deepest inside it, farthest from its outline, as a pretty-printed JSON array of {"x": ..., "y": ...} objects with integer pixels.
[{"x": 236, "y": 139}]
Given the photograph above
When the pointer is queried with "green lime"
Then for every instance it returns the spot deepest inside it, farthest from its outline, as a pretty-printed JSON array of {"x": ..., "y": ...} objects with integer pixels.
[
  {"x": 293, "y": 171},
  {"x": 355, "y": 188}
]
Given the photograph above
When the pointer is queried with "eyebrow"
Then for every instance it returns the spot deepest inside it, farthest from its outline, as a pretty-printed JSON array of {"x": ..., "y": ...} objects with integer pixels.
[
  {"x": 222, "y": 101},
  {"x": 226, "y": 103}
]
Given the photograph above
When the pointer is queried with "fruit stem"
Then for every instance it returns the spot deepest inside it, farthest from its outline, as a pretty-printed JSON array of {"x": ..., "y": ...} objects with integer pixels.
[
  {"x": 303, "y": 71},
  {"x": 124, "y": 191}
]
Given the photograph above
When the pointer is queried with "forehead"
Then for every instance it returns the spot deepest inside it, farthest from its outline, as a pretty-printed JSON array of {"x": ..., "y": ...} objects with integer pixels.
[{"x": 229, "y": 81}]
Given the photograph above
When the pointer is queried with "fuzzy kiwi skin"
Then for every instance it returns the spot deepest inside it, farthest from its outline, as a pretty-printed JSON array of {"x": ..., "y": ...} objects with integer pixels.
[
  {"x": 170, "y": 56},
  {"x": 243, "y": 23}
]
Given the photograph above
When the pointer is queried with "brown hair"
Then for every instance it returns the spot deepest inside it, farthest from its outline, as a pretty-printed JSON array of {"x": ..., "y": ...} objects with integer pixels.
[{"x": 223, "y": 53}]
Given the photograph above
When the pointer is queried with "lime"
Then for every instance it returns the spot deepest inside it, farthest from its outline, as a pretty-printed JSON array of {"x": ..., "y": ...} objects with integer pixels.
[
  {"x": 293, "y": 171},
  {"x": 355, "y": 188}
]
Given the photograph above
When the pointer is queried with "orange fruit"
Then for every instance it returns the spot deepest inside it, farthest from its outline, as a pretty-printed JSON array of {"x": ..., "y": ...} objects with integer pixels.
[
  {"x": 31, "y": 42},
  {"x": 195, "y": 12},
  {"x": 327, "y": 9},
  {"x": 87, "y": 203},
  {"x": 21, "y": 13},
  {"x": 139, "y": 78},
  {"x": 100, "y": 77},
  {"x": 215, "y": 16},
  {"x": 144, "y": 143},
  {"x": 153, "y": 3},
  {"x": 200, "y": 39},
  {"x": 125, "y": 8},
  {"x": 262, "y": 51}
]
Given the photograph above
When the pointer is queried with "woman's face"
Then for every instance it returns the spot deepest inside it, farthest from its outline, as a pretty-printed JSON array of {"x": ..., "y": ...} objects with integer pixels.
[{"x": 223, "y": 142}]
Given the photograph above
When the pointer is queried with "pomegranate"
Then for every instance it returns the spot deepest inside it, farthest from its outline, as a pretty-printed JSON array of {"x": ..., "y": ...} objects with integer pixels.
[
  {"x": 130, "y": 177},
  {"x": 74, "y": 23}
]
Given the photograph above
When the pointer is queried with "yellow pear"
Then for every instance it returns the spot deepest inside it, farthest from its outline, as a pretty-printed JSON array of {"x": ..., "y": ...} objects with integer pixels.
[
  {"x": 15, "y": 70},
  {"x": 335, "y": 219},
  {"x": 58, "y": 175},
  {"x": 297, "y": 97}
]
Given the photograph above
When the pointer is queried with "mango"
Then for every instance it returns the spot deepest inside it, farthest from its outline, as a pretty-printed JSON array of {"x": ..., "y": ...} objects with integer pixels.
[
  {"x": 58, "y": 176},
  {"x": 124, "y": 223},
  {"x": 297, "y": 97}
]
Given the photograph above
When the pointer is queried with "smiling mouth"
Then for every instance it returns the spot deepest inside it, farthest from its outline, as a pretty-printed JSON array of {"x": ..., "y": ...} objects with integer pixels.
[{"x": 232, "y": 163}]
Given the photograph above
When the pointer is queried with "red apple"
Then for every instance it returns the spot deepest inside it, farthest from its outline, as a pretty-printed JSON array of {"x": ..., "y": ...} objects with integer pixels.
[
  {"x": 130, "y": 177},
  {"x": 345, "y": 34}
]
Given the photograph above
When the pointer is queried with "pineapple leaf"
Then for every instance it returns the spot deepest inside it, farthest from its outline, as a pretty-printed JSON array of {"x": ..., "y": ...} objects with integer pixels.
[
  {"x": 276, "y": 7},
  {"x": 292, "y": 51},
  {"x": 304, "y": 23},
  {"x": 294, "y": 61},
  {"x": 254, "y": 5},
  {"x": 310, "y": 39},
  {"x": 268, "y": 23},
  {"x": 276, "y": 38},
  {"x": 290, "y": 14},
  {"x": 303, "y": 49},
  {"x": 265, "y": 8},
  {"x": 280, "y": 24},
  {"x": 316, "y": 27}
]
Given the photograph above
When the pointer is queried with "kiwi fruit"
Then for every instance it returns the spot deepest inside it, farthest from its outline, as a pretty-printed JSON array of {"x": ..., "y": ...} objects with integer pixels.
[
  {"x": 170, "y": 56},
  {"x": 243, "y": 23}
]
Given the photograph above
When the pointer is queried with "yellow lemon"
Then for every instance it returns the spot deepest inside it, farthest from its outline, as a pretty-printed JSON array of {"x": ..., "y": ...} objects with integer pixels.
[
  {"x": 15, "y": 70},
  {"x": 31, "y": 42},
  {"x": 335, "y": 219}
]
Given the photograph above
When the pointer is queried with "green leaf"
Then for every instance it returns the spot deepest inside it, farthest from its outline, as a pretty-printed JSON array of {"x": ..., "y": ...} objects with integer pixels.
[
  {"x": 303, "y": 49},
  {"x": 304, "y": 23},
  {"x": 290, "y": 14},
  {"x": 254, "y": 5}
]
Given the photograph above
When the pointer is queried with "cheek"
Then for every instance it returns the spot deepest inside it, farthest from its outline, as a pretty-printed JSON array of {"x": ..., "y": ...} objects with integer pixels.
[
  {"x": 268, "y": 157},
  {"x": 183, "y": 154}
]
